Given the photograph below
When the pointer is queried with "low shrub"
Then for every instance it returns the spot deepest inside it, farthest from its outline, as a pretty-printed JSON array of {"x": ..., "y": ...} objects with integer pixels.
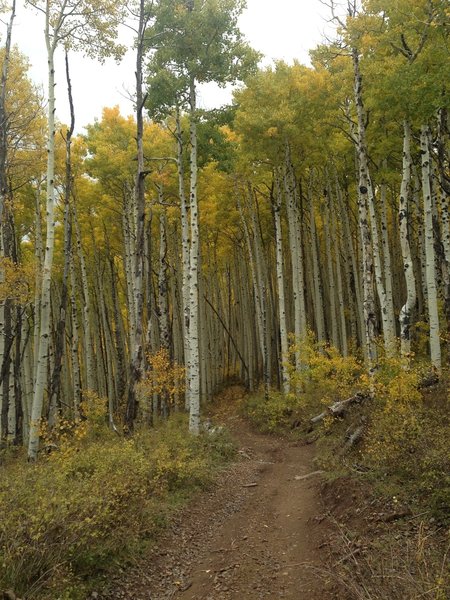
[
  {"x": 272, "y": 414},
  {"x": 84, "y": 506},
  {"x": 404, "y": 446},
  {"x": 324, "y": 377}
]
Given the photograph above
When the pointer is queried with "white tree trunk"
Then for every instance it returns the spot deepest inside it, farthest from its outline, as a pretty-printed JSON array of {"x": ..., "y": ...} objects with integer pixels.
[
  {"x": 390, "y": 316},
  {"x": 163, "y": 286},
  {"x": 87, "y": 335},
  {"x": 256, "y": 289},
  {"x": 194, "y": 250},
  {"x": 403, "y": 215},
  {"x": 318, "y": 296},
  {"x": 351, "y": 272},
  {"x": 281, "y": 288},
  {"x": 75, "y": 341},
  {"x": 294, "y": 228},
  {"x": 44, "y": 330},
  {"x": 435, "y": 347},
  {"x": 339, "y": 287},
  {"x": 331, "y": 280},
  {"x": 185, "y": 244},
  {"x": 366, "y": 239}
]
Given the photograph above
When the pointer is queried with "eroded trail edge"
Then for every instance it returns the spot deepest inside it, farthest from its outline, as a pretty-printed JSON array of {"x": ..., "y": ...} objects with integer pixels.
[{"x": 257, "y": 533}]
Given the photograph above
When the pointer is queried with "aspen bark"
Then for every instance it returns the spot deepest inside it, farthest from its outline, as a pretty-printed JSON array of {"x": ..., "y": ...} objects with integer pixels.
[
  {"x": 163, "y": 286},
  {"x": 136, "y": 339},
  {"x": 5, "y": 305},
  {"x": 87, "y": 335},
  {"x": 365, "y": 231},
  {"x": 433, "y": 315},
  {"x": 44, "y": 329},
  {"x": 75, "y": 341},
  {"x": 340, "y": 290},
  {"x": 318, "y": 296},
  {"x": 194, "y": 249},
  {"x": 263, "y": 286},
  {"x": 257, "y": 292},
  {"x": 281, "y": 287},
  {"x": 55, "y": 383},
  {"x": 367, "y": 192},
  {"x": 295, "y": 243},
  {"x": 403, "y": 213},
  {"x": 330, "y": 268},
  {"x": 387, "y": 267},
  {"x": 351, "y": 272}
]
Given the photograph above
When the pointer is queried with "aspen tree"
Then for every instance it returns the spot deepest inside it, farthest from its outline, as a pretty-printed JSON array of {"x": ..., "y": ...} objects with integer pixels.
[
  {"x": 163, "y": 285},
  {"x": 368, "y": 197},
  {"x": 295, "y": 243},
  {"x": 75, "y": 339},
  {"x": 318, "y": 296},
  {"x": 340, "y": 290},
  {"x": 433, "y": 315},
  {"x": 366, "y": 237},
  {"x": 258, "y": 301},
  {"x": 263, "y": 283},
  {"x": 88, "y": 26},
  {"x": 387, "y": 264},
  {"x": 330, "y": 268},
  {"x": 200, "y": 42},
  {"x": 144, "y": 14},
  {"x": 281, "y": 284},
  {"x": 352, "y": 272},
  {"x": 55, "y": 384},
  {"x": 404, "y": 212},
  {"x": 5, "y": 305}
]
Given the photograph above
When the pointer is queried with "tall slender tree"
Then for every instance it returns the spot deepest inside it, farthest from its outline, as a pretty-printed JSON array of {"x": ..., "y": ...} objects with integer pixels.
[{"x": 90, "y": 27}]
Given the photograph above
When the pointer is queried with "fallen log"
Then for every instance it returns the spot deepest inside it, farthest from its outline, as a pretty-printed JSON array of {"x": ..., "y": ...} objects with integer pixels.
[
  {"x": 339, "y": 408},
  {"x": 355, "y": 436}
]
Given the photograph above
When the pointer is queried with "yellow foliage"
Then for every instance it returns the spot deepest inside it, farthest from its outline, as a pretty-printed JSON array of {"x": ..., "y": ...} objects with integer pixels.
[
  {"x": 395, "y": 417},
  {"x": 92, "y": 502},
  {"x": 164, "y": 377},
  {"x": 16, "y": 281},
  {"x": 326, "y": 375}
]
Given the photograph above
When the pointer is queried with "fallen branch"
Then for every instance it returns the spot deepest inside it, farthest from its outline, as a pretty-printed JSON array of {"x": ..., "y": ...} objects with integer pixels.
[
  {"x": 301, "y": 477},
  {"x": 354, "y": 436},
  {"x": 338, "y": 409}
]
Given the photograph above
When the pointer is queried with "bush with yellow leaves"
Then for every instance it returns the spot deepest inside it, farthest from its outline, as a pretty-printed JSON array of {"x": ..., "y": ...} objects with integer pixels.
[
  {"x": 164, "y": 378},
  {"x": 405, "y": 430},
  {"x": 324, "y": 377},
  {"x": 93, "y": 500},
  {"x": 395, "y": 416},
  {"x": 407, "y": 437}
]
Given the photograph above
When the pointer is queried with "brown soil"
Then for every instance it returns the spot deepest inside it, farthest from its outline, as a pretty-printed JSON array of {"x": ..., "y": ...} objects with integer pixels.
[{"x": 258, "y": 533}]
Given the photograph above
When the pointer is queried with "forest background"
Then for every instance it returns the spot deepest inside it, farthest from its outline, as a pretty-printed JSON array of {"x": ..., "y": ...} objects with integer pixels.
[{"x": 297, "y": 239}]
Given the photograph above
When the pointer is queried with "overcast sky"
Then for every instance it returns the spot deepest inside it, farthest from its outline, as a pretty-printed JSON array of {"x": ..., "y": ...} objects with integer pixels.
[{"x": 280, "y": 29}]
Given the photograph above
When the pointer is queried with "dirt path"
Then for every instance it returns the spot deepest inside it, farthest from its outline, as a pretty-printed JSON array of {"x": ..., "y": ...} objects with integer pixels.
[{"x": 256, "y": 534}]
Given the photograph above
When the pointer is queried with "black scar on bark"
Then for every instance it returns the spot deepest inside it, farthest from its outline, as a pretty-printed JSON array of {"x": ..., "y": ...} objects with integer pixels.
[{"x": 363, "y": 189}]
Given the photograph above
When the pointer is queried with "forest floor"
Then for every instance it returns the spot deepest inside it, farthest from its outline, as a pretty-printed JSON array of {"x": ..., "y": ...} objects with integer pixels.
[{"x": 257, "y": 533}]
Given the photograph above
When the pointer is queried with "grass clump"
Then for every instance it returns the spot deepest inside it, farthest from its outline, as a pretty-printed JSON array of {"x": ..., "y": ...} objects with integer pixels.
[{"x": 91, "y": 502}]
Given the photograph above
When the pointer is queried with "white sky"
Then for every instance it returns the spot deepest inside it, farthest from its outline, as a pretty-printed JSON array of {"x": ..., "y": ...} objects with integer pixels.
[{"x": 280, "y": 29}]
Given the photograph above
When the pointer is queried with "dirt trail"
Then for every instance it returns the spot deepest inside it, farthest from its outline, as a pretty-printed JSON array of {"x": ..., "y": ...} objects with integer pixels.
[{"x": 256, "y": 534}]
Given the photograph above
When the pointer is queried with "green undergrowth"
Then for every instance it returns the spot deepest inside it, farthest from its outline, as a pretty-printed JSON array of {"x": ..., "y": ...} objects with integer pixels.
[
  {"x": 403, "y": 447},
  {"x": 401, "y": 460},
  {"x": 96, "y": 501}
]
